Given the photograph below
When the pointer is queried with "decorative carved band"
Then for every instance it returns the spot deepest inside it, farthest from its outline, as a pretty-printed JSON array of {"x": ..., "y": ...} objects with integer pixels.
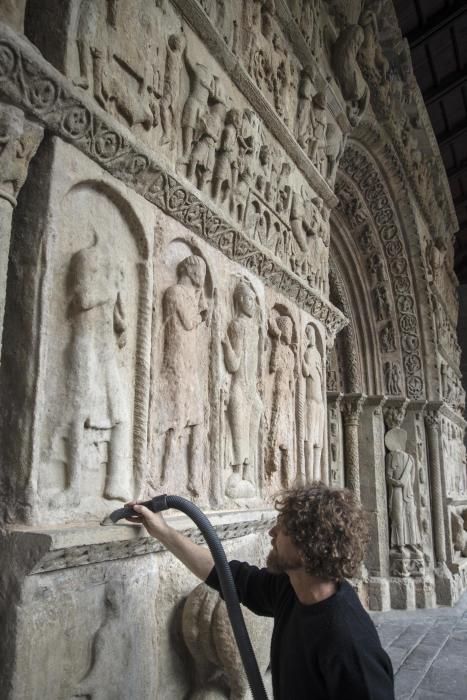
[
  {"x": 356, "y": 164},
  {"x": 85, "y": 554},
  {"x": 32, "y": 84}
]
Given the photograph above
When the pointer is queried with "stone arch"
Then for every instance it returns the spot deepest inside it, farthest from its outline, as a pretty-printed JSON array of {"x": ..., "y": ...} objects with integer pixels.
[
  {"x": 348, "y": 359},
  {"x": 406, "y": 203},
  {"x": 368, "y": 209}
]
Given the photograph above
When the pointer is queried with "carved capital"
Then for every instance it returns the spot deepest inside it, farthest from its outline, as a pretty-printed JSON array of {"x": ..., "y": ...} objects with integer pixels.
[
  {"x": 19, "y": 141},
  {"x": 394, "y": 412},
  {"x": 432, "y": 415},
  {"x": 352, "y": 406}
]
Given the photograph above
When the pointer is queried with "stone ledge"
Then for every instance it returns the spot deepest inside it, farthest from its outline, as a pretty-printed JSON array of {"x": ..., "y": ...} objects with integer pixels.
[
  {"x": 78, "y": 545},
  {"x": 32, "y": 84}
]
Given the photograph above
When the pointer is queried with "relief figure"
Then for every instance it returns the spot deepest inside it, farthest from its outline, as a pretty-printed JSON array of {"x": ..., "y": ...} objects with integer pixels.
[
  {"x": 303, "y": 123},
  {"x": 281, "y": 436},
  {"x": 97, "y": 393},
  {"x": 168, "y": 104},
  {"x": 393, "y": 378},
  {"x": 344, "y": 61},
  {"x": 312, "y": 370},
  {"x": 244, "y": 403},
  {"x": 201, "y": 84},
  {"x": 111, "y": 648},
  {"x": 400, "y": 477},
  {"x": 225, "y": 175},
  {"x": 203, "y": 155},
  {"x": 184, "y": 310},
  {"x": 317, "y": 145}
]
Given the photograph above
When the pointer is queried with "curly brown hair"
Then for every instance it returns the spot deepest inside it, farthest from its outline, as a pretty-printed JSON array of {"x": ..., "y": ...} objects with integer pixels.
[{"x": 328, "y": 527}]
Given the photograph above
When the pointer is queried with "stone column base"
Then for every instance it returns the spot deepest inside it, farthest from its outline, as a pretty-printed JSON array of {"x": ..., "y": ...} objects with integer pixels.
[
  {"x": 379, "y": 597},
  {"x": 444, "y": 586},
  {"x": 425, "y": 594},
  {"x": 402, "y": 591}
]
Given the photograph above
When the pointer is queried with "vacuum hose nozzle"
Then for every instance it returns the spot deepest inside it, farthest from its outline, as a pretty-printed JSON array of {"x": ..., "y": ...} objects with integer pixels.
[{"x": 156, "y": 504}]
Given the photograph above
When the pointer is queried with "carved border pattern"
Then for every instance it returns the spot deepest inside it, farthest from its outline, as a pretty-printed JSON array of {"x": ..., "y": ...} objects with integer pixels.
[
  {"x": 85, "y": 554},
  {"x": 32, "y": 84},
  {"x": 363, "y": 173}
]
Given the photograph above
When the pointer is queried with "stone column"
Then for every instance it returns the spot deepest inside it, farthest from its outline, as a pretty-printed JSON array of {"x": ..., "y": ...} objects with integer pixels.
[
  {"x": 352, "y": 405},
  {"x": 19, "y": 140},
  {"x": 374, "y": 501},
  {"x": 439, "y": 534},
  {"x": 443, "y": 577},
  {"x": 334, "y": 439}
]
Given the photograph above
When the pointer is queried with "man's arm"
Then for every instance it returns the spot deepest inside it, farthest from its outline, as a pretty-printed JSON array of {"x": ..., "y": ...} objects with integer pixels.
[{"x": 195, "y": 557}]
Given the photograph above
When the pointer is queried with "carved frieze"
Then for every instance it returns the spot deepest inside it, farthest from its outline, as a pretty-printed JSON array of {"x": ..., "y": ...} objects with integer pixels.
[{"x": 47, "y": 97}]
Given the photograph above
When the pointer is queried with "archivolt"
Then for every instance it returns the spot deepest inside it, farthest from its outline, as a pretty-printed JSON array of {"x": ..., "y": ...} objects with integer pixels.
[{"x": 369, "y": 186}]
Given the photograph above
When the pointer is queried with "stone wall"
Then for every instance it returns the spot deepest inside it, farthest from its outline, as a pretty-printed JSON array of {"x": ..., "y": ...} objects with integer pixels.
[{"x": 226, "y": 268}]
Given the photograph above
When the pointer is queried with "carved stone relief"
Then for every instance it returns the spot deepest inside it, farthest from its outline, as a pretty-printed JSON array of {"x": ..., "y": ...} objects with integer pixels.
[
  {"x": 208, "y": 635},
  {"x": 60, "y": 108},
  {"x": 92, "y": 290},
  {"x": 242, "y": 349},
  {"x": 314, "y": 413},
  {"x": 282, "y": 373},
  {"x": 454, "y": 458},
  {"x": 459, "y": 532},
  {"x": 98, "y": 332},
  {"x": 180, "y": 396},
  {"x": 363, "y": 172},
  {"x": 19, "y": 140},
  {"x": 405, "y": 538}
]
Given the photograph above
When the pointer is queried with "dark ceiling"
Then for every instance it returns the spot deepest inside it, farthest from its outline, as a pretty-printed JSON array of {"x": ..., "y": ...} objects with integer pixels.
[{"x": 437, "y": 33}]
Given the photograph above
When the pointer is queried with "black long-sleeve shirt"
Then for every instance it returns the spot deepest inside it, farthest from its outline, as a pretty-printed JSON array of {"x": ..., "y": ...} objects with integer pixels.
[{"x": 326, "y": 651}]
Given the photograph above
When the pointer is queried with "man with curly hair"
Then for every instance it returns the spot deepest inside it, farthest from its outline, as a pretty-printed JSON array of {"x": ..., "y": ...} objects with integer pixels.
[{"x": 324, "y": 645}]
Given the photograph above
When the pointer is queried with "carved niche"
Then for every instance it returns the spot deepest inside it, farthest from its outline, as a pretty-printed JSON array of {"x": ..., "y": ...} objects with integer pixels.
[
  {"x": 95, "y": 439},
  {"x": 406, "y": 554}
]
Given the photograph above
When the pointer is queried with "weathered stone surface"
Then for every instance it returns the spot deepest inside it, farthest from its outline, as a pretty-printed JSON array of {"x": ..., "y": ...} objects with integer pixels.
[{"x": 230, "y": 271}]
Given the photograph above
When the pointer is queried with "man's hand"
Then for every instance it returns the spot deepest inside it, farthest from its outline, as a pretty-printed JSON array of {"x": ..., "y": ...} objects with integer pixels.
[
  {"x": 198, "y": 559},
  {"x": 153, "y": 522}
]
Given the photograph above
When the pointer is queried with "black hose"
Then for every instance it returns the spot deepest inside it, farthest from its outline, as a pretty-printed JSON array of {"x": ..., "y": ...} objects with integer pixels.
[{"x": 229, "y": 592}]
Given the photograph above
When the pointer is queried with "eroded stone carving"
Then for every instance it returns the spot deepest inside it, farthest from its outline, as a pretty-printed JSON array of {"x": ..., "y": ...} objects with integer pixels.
[
  {"x": 111, "y": 648},
  {"x": 393, "y": 378},
  {"x": 19, "y": 140},
  {"x": 184, "y": 310},
  {"x": 208, "y": 635},
  {"x": 281, "y": 428},
  {"x": 405, "y": 536},
  {"x": 97, "y": 314},
  {"x": 244, "y": 406},
  {"x": 169, "y": 102},
  {"x": 312, "y": 370},
  {"x": 344, "y": 60},
  {"x": 459, "y": 533}
]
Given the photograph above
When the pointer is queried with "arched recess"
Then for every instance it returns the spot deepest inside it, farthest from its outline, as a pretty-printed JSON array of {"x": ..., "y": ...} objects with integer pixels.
[
  {"x": 376, "y": 170},
  {"x": 368, "y": 220},
  {"x": 357, "y": 347}
]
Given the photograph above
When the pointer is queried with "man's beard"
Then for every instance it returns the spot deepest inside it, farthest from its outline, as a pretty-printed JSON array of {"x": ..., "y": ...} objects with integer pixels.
[{"x": 278, "y": 564}]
